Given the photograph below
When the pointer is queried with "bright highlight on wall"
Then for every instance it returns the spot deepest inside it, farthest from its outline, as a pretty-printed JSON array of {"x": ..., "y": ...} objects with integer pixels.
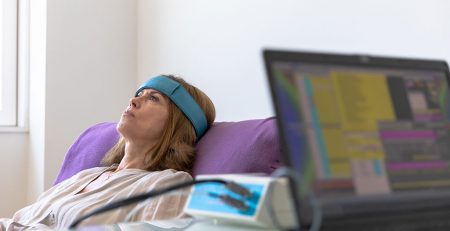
[{"x": 8, "y": 62}]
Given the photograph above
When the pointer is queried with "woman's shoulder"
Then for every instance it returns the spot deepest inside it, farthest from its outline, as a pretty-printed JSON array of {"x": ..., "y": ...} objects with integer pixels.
[
  {"x": 167, "y": 176},
  {"x": 171, "y": 173},
  {"x": 174, "y": 172}
]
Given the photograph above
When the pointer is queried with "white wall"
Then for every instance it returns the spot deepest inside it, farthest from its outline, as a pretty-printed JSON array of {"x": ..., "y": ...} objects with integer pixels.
[
  {"x": 217, "y": 44},
  {"x": 90, "y": 70},
  {"x": 13, "y": 172}
]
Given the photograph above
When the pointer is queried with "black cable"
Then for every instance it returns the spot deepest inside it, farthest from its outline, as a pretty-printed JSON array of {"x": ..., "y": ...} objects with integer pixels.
[
  {"x": 134, "y": 199},
  {"x": 295, "y": 179}
]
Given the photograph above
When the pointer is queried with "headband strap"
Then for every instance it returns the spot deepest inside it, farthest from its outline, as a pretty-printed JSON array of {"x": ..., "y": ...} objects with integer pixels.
[{"x": 184, "y": 101}]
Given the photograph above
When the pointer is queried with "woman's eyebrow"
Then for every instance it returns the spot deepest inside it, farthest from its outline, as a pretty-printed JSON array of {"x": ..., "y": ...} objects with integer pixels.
[
  {"x": 155, "y": 93},
  {"x": 161, "y": 95}
]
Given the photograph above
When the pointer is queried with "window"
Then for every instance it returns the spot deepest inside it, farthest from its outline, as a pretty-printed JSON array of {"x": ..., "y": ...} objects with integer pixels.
[{"x": 8, "y": 62}]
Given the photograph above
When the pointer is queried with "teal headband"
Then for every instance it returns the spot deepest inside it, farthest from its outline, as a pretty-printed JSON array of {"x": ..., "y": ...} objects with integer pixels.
[{"x": 184, "y": 101}]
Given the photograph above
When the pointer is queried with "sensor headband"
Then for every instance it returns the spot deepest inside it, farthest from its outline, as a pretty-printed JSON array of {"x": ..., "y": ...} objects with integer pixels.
[{"x": 184, "y": 101}]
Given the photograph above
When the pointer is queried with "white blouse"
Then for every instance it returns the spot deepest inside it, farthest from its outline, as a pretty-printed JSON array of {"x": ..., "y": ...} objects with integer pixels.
[{"x": 62, "y": 204}]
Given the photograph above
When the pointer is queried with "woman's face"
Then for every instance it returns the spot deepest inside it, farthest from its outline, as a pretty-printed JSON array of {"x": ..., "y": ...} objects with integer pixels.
[{"x": 145, "y": 117}]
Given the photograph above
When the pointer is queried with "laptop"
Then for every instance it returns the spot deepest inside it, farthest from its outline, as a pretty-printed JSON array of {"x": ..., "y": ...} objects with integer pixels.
[{"x": 368, "y": 138}]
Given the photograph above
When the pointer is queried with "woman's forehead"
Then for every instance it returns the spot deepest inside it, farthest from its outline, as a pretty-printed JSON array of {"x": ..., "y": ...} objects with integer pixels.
[{"x": 151, "y": 91}]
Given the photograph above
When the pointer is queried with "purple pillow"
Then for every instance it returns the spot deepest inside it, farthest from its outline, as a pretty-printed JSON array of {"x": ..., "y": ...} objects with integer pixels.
[
  {"x": 249, "y": 146},
  {"x": 88, "y": 150}
]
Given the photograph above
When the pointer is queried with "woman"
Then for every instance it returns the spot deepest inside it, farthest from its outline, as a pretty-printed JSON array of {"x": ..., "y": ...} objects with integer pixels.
[{"x": 159, "y": 129}]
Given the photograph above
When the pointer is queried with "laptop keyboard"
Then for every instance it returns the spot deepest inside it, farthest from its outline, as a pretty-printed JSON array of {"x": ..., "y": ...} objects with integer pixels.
[
  {"x": 423, "y": 226},
  {"x": 431, "y": 221},
  {"x": 434, "y": 226}
]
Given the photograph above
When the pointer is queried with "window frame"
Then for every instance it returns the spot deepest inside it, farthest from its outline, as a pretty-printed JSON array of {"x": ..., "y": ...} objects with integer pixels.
[{"x": 20, "y": 95}]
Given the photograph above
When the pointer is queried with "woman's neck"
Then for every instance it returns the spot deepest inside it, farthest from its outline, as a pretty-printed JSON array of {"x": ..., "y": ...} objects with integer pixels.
[{"x": 134, "y": 156}]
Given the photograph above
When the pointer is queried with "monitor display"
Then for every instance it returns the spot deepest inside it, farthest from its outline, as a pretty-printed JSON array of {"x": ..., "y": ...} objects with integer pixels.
[{"x": 363, "y": 131}]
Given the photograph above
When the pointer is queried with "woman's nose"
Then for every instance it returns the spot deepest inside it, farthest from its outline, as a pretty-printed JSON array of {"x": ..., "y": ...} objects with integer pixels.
[{"x": 134, "y": 102}]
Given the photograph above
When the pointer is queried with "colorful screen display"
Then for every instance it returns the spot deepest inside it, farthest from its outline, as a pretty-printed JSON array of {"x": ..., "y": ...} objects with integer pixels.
[{"x": 365, "y": 130}]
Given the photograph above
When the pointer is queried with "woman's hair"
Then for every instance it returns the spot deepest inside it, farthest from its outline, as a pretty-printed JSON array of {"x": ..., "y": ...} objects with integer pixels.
[{"x": 176, "y": 148}]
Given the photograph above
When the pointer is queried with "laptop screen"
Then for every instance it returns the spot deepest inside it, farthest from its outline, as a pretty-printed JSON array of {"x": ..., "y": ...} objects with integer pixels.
[{"x": 364, "y": 133}]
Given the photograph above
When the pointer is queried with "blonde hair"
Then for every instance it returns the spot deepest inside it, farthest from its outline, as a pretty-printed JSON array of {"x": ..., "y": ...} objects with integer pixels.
[{"x": 176, "y": 148}]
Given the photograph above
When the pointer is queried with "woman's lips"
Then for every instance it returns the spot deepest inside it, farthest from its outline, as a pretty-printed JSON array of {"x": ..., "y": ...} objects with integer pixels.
[{"x": 128, "y": 113}]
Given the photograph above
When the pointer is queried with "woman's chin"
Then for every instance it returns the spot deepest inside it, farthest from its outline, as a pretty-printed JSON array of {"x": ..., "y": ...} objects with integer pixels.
[{"x": 122, "y": 126}]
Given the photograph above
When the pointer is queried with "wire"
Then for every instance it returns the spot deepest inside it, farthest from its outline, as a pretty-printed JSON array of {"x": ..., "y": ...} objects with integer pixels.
[
  {"x": 137, "y": 198},
  {"x": 317, "y": 212},
  {"x": 234, "y": 187},
  {"x": 143, "y": 204},
  {"x": 270, "y": 210},
  {"x": 134, "y": 211},
  {"x": 225, "y": 198}
]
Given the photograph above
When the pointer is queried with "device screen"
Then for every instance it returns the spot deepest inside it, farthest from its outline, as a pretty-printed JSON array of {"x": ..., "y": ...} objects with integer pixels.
[{"x": 365, "y": 131}]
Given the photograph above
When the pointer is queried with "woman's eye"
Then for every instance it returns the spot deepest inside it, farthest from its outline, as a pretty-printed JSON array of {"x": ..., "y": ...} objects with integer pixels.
[{"x": 153, "y": 98}]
